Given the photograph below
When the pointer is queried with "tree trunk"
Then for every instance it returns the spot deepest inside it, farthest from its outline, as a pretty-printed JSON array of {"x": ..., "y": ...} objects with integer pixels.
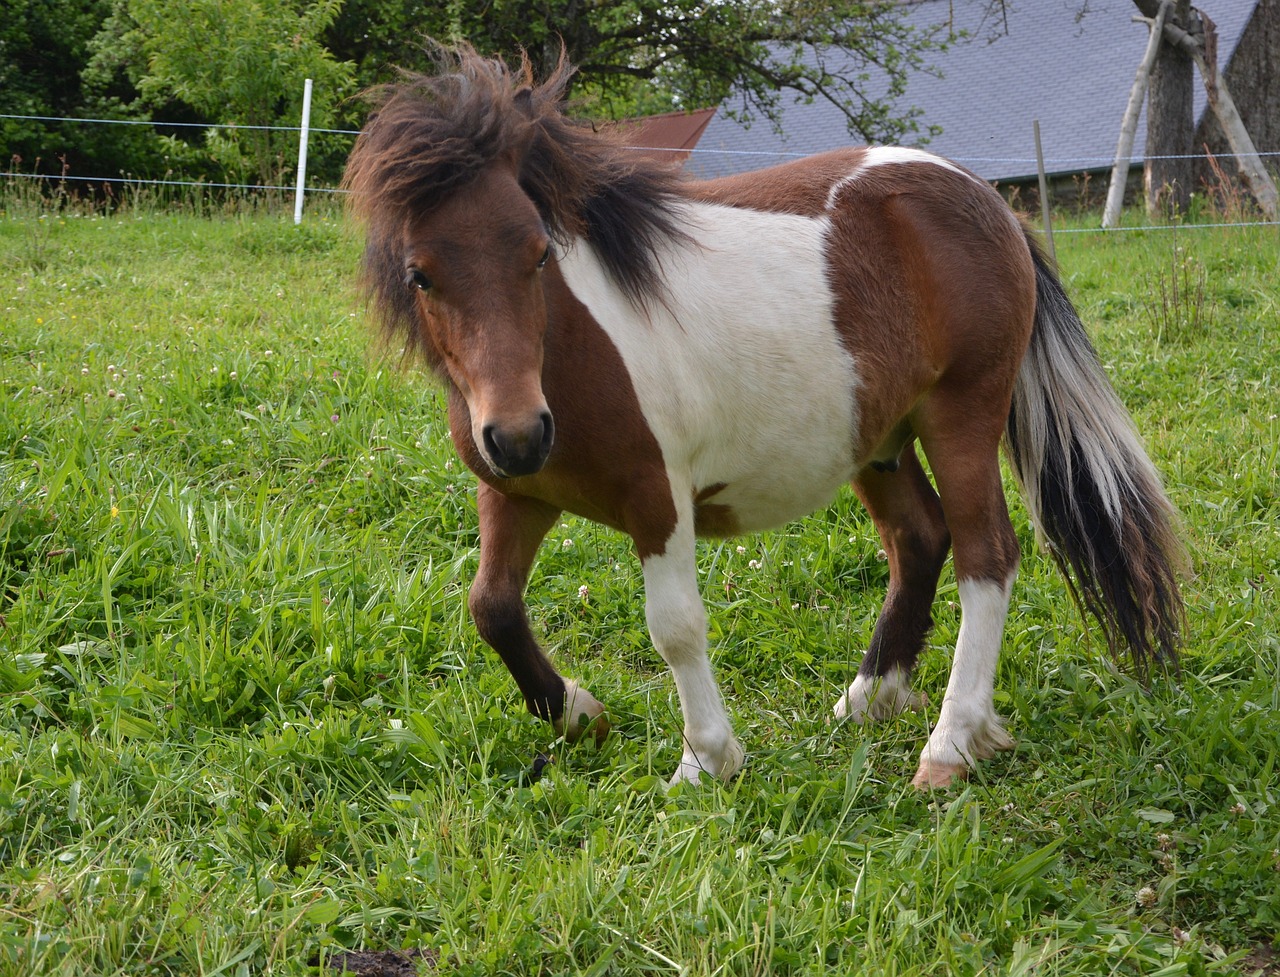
[
  {"x": 1254, "y": 77},
  {"x": 1253, "y": 172},
  {"x": 1266, "y": 21},
  {"x": 1170, "y": 124}
]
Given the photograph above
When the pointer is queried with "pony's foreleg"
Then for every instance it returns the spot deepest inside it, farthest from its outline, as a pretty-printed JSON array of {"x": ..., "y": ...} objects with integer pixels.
[
  {"x": 511, "y": 530},
  {"x": 909, "y": 519},
  {"x": 678, "y": 626}
]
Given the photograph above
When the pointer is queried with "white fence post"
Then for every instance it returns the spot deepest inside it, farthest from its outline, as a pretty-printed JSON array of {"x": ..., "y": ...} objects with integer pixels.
[{"x": 302, "y": 152}]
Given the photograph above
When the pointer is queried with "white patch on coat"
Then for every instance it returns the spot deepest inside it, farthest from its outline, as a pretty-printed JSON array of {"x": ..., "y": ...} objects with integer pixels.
[
  {"x": 887, "y": 156},
  {"x": 739, "y": 370},
  {"x": 582, "y": 711}
]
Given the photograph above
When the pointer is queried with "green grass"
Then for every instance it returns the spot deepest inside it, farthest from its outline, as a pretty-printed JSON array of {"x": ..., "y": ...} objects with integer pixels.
[{"x": 244, "y": 720}]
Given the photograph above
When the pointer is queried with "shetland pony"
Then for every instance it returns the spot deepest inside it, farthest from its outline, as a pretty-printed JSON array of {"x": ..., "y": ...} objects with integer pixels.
[{"x": 679, "y": 359}]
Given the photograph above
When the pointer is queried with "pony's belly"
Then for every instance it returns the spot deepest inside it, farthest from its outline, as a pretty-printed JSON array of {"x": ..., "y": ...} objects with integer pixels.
[
  {"x": 764, "y": 502},
  {"x": 781, "y": 451}
]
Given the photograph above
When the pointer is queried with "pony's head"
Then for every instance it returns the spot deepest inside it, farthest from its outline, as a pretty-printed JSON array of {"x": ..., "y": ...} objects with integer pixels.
[
  {"x": 456, "y": 248},
  {"x": 466, "y": 180}
]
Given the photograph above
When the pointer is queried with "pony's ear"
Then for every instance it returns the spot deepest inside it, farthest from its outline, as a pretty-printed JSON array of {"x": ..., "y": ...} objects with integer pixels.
[{"x": 523, "y": 100}]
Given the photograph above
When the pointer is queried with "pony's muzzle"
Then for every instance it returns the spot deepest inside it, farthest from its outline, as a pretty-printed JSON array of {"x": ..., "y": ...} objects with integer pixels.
[{"x": 515, "y": 450}]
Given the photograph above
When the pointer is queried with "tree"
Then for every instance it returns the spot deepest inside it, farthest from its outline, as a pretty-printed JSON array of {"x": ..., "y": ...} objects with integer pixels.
[
  {"x": 1168, "y": 182},
  {"x": 653, "y": 55},
  {"x": 239, "y": 63},
  {"x": 1254, "y": 76},
  {"x": 43, "y": 45},
  {"x": 243, "y": 62}
]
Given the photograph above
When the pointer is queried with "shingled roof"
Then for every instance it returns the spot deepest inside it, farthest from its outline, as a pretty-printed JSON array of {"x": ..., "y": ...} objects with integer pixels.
[{"x": 1072, "y": 73}]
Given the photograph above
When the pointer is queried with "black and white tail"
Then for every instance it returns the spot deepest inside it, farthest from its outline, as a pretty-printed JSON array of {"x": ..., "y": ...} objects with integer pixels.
[{"x": 1092, "y": 490}]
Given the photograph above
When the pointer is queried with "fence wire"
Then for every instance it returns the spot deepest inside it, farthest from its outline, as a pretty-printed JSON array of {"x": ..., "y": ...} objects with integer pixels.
[{"x": 1058, "y": 162}]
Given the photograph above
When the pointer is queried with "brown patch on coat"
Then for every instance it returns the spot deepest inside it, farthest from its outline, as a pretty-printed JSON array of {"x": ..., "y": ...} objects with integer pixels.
[
  {"x": 712, "y": 518},
  {"x": 931, "y": 276},
  {"x": 799, "y": 187},
  {"x": 909, "y": 519},
  {"x": 511, "y": 531}
]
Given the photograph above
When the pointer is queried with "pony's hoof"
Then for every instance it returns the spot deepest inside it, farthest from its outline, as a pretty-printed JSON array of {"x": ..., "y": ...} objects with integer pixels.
[
  {"x": 722, "y": 764},
  {"x": 932, "y": 776},
  {"x": 583, "y": 713},
  {"x": 878, "y": 698}
]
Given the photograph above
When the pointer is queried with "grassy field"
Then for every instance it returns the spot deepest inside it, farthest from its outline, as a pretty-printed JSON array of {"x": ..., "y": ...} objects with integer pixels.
[{"x": 245, "y": 723}]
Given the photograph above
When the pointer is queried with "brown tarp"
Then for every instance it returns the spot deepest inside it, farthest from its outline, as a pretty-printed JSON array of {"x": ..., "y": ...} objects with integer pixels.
[{"x": 669, "y": 137}]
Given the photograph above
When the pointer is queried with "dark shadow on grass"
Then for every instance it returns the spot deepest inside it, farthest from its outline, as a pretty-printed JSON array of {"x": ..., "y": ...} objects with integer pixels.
[{"x": 381, "y": 963}]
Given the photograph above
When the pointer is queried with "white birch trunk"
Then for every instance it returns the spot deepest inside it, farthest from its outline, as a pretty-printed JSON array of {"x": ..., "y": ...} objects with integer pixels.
[{"x": 1129, "y": 125}]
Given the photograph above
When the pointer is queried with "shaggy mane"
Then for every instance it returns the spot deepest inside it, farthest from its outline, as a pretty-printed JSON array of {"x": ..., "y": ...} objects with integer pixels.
[{"x": 430, "y": 135}]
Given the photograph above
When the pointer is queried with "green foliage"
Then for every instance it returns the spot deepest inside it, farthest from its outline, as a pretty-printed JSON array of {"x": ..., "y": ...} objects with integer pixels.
[
  {"x": 244, "y": 64},
  {"x": 44, "y": 44},
  {"x": 235, "y": 63},
  {"x": 245, "y": 721},
  {"x": 645, "y": 56}
]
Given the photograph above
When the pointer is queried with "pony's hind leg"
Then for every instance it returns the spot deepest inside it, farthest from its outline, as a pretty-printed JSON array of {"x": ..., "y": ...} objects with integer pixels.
[
  {"x": 678, "y": 626},
  {"x": 965, "y": 463},
  {"x": 909, "y": 519},
  {"x": 511, "y": 529}
]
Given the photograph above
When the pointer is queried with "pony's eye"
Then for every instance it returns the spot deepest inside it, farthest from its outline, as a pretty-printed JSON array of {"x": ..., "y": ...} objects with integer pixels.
[
  {"x": 418, "y": 280},
  {"x": 546, "y": 256}
]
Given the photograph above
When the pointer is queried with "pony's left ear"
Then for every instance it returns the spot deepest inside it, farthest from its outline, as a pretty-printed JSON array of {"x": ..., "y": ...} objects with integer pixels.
[
  {"x": 522, "y": 104},
  {"x": 523, "y": 100}
]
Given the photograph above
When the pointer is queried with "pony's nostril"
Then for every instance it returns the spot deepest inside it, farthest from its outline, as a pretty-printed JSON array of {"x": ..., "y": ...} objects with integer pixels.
[
  {"x": 519, "y": 452},
  {"x": 548, "y": 434},
  {"x": 490, "y": 443}
]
